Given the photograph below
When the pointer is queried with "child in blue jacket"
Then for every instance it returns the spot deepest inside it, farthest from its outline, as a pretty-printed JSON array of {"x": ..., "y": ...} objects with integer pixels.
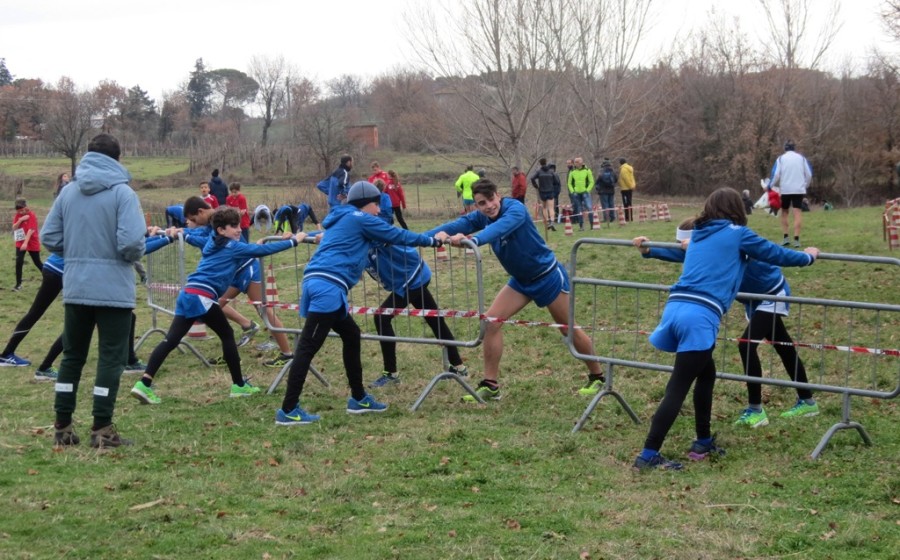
[
  {"x": 764, "y": 321},
  {"x": 721, "y": 246},
  {"x": 537, "y": 276},
  {"x": 350, "y": 231},
  {"x": 401, "y": 271},
  {"x": 198, "y": 300}
]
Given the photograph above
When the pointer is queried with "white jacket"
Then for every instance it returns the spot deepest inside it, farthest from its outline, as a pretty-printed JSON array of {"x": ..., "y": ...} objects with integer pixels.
[{"x": 792, "y": 173}]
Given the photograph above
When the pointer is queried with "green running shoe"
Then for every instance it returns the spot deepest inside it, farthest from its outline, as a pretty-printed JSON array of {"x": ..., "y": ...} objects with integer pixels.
[
  {"x": 144, "y": 394},
  {"x": 801, "y": 409},
  {"x": 593, "y": 387},
  {"x": 486, "y": 394},
  {"x": 752, "y": 418},
  {"x": 245, "y": 391}
]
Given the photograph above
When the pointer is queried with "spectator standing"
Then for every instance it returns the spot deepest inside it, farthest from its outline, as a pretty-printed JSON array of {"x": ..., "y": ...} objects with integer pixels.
[
  {"x": 581, "y": 181},
  {"x": 748, "y": 202},
  {"x": 398, "y": 197},
  {"x": 792, "y": 174},
  {"x": 464, "y": 188},
  {"x": 378, "y": 173},
  {"x": 542, "y": 180},
  {"x": 61, "y": 181},
  {"x": 606, "y": 188},
  {"x": 519, "y": 185},
  {"x": 218, "y": 188},
  {"x": 25, "y": 233},
  {"x": 208, "y": 197},
  {"x": 557, "y": 188},
  {"x": 339, "y": 182},
  {"x": 239, "y": 201},
  {"x": 627, "y": 185},
  {"x": 99, "y": 288}
]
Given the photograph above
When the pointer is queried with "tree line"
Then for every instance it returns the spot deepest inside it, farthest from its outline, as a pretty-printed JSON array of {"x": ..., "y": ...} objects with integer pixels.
[{"x": 510, "y": 81}]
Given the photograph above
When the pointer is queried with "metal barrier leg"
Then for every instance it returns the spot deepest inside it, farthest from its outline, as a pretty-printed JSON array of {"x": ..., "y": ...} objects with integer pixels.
[
  {"x": 284, "y": 371},
  {"x": 140, "y": 342},
  {"x": 439, "y": 377},
  {"x": 844, "y": 424},
  {"x": 607, "y": 390}
]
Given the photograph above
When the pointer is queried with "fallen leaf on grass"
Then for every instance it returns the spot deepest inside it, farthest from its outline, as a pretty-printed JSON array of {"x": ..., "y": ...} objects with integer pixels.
[
  {"x": 451, "y": 533},
  {"x": 513, "y": 524},
  {"x": 585, "y": 555},
  {"x": 273, "y": 462},
  {"x": 445, "y": 460},
  {"x": 476, "y": 489},
  {"x": 828, "y": 536},
  {"x": 139, "y": 507},
  {"x": 220, "y": 514},
  {"x": 32, "y": 472},
  {"x": 267, "y": 444}
]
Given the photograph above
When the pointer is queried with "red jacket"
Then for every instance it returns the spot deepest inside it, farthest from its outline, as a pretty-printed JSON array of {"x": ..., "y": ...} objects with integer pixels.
[
  {"x": 380, "y": 175},
  {"x": 211, "y": 200},
  {"x": 30, "y": 224},
  {"x": 519, "y": 185},
  {"x": 395, "y": 191},
  {"x": 239, "y": 201}
]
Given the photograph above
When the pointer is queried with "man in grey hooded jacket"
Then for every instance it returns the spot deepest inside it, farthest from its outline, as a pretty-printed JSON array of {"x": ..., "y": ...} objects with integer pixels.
[{"x": 98, "y": 226}]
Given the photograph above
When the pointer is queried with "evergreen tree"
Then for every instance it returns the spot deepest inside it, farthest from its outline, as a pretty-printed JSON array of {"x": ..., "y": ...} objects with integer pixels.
[
  {"x": 137, "y": 111},
  {"x": 5, "y": 77},
  {"x": 199, "y": 91}
]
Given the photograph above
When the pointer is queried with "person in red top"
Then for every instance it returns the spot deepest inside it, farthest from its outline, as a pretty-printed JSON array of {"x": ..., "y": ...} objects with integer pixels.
[
  {"x": 207, "y": 196},
  {"x": 25, "y": 232},
  {"x": 519, "y": 185},
  {"x": 378, "y": 173},
  {"x": 398, "y": 199},
  {"x": 239, "y": 201}
]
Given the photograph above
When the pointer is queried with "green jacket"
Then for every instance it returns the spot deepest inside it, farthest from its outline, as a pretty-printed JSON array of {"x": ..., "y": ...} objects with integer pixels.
[
  {"x": 580, "y": 180},
  {"x": 465, "y": 182}
]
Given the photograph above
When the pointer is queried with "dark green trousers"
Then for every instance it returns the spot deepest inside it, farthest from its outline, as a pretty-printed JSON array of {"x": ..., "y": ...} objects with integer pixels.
[{"x": 113, "y": 331}]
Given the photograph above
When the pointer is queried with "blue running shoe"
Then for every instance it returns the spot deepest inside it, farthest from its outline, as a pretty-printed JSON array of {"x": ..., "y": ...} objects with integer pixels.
[
  {"x": 295, "y": 417},
  {"x": 364, "y": 406},
  {"x": 387, "y": 378},
  {"x": 658, "y": 462},
  {"x": 700, "y": 451},
  {"x": 13, "y": 361}
]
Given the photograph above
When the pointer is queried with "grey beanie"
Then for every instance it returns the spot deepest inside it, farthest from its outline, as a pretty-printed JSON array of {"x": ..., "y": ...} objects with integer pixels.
[{"x": 362, "y": 193}]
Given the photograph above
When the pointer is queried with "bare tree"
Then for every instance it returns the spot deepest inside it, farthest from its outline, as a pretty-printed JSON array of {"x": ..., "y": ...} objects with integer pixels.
[
  {"x": 597, "y": 41},
  {"x": 322, "y": 130},
  {"x": 68, "y": 122},
  {"x": 271, "y": 75},
  {"x": 494, "y": 57},
  {"x": 890, "y": 15},
  {"x": 793, "y": 41},
  {"x": 347, "y": 89}
]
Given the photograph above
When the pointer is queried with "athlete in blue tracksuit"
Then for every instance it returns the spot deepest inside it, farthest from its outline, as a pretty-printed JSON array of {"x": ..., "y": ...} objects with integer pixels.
[
  {"x": 293, "y": 217},
  {"x": 504, "y": 224},
  {"x": 198, "y": 300},
  {"x": 175, "y": 216},
  {"x": 402, "y": 272},
  {"x": 350, "y": 231},
  {"x": 764, "y": 321},
  {"x": 721, "y": 246}
]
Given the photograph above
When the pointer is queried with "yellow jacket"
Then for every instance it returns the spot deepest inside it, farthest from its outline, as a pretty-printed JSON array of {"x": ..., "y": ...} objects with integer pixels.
[
  {"x": 464, "y": 184},
  {"x": 626, "y": 177}
]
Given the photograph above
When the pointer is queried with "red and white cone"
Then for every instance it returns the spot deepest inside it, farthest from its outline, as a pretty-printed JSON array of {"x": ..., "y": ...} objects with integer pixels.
[
  {"x": 441, "y": 253},
  {"x": 271, "y": 287},
  {"x": 595, "y": 224},
  {"x": 621, "y": 213},
  {"x": 654, "y": 215},
  {"x": 568, "y": 227},
  {"x": 642, "y": 213},
  {"x": 197, "y": 331},
  {"x": 664, "y": 213}
]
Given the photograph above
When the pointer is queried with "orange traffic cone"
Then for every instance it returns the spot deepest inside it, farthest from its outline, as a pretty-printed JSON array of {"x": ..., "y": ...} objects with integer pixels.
[
  {"x": 568, "y": 228},
  {"x": 664, "y": 213},
  {"x": 442, "y": 253},
  {"x": 271, "y": 287},
  {"x": 197, "y": 331},
  {"x": 595, "y": 224},
  {"x": 621, "y": 213}
]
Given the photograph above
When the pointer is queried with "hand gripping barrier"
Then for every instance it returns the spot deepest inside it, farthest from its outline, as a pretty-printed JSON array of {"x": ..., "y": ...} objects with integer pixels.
[{"x": 841, "y": 341}]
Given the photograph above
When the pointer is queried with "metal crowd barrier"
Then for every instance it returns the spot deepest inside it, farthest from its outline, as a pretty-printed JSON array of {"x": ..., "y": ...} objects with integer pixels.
[
  {"x": 841, "y": 342},
  {"x": 454, "y": 271},
  {"x": 165, "y": 278}
]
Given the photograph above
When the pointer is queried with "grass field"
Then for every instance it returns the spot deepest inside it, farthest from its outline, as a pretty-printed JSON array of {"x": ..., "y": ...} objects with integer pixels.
[{"x": 212, "y": 477}]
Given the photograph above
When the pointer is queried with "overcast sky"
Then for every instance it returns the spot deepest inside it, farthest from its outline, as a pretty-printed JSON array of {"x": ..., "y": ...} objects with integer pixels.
[{"x": 155, "y": 44}]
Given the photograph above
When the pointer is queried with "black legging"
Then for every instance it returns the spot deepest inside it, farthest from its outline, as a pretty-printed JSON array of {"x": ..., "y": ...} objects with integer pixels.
[
  {"x": 626, "y": 205},
  {"x": 313, "y": 336},
  {"x": 398, "y": 213},
  {"x": 215, "y": 320},
  {"x": 51, "y": 285},
  {"x": 688, "y": 367},
  {"x": 420, "y": 298},
  {"x": 20, "y": 262},
  {"x": 765, "y": 325}
]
